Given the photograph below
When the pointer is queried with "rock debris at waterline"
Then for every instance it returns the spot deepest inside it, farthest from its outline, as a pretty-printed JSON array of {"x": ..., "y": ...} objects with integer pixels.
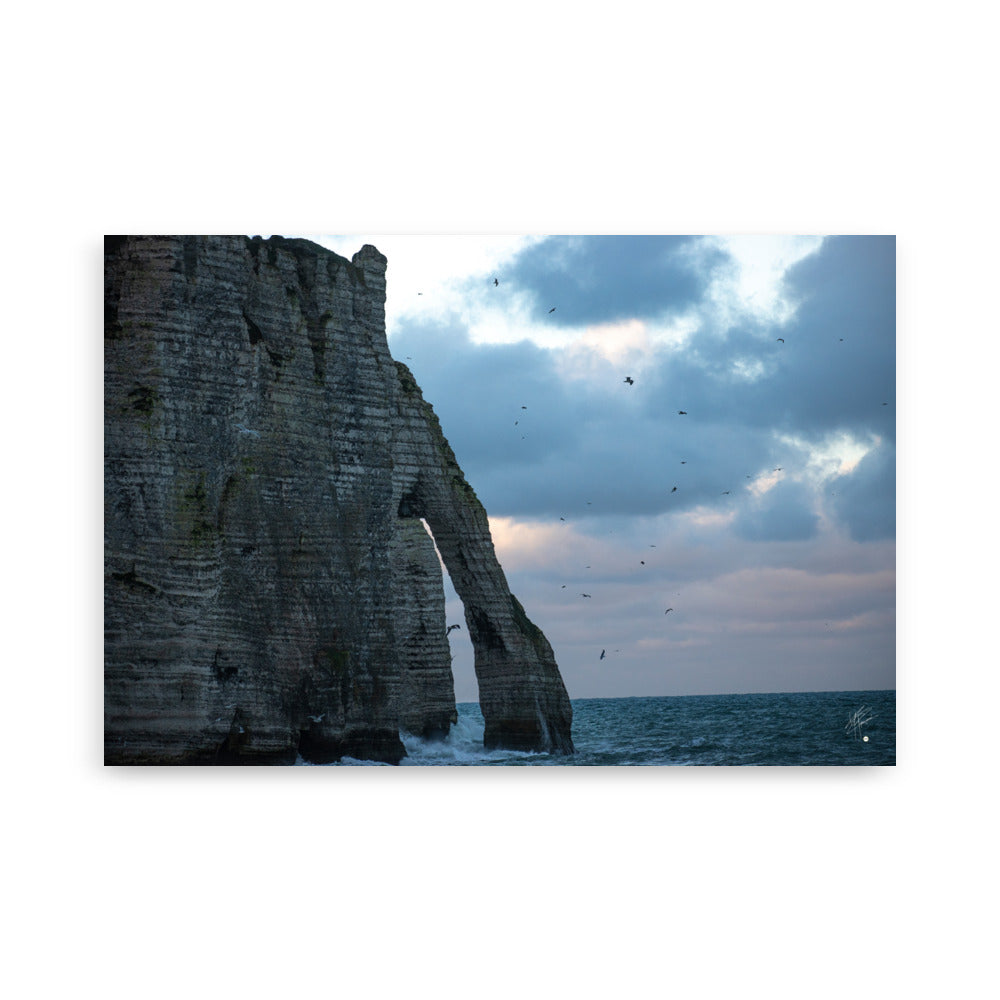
[{"x": 270, "y": 589}]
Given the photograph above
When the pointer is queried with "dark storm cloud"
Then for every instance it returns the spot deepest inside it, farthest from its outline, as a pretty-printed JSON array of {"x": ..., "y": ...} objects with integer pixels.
[
  {"x": 599, "y": 279},
  {"x": 838, "y": 362},
  {"x": 704, "y": 379},
  {"x": 865, "y": 499},
  {"x": 783, "y": 514},
  {"x": 833, "y": 367}
]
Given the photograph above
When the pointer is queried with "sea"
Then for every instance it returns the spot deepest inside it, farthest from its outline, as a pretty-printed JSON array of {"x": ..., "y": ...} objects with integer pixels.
[{"x": 833, "y": 728}]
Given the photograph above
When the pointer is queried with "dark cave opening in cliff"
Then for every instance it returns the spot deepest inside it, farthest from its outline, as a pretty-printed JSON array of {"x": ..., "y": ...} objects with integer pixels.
[{"x": 462, "y": 656}]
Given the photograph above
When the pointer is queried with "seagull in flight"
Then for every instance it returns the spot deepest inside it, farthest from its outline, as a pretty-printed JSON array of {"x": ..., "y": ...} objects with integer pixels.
[
  {"x": 495, "y": 282},
  {"x": 317, "y": 718},
  {"x": 674, "y": 490},
  {"x": 449, "y": 629},
  {"x": 781, "y": 339},
  {"x": 603, "y": 651},
  {"x": 629, "y": 379},
  {"x": 585, "y": 595},
  {"x": 682, "y": 413},
  {"x": 667, "y": 612}
]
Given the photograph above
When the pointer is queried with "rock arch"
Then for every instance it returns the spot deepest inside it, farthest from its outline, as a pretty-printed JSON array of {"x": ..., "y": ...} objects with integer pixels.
[{"x": 521, "y": 693}]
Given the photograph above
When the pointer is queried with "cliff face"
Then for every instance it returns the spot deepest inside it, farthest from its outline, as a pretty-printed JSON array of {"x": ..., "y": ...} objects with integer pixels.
[{"x": 269, "y": 588}]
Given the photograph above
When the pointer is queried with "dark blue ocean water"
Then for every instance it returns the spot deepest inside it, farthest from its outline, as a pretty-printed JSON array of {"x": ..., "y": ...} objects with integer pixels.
[{"x": 727, "y": 730}]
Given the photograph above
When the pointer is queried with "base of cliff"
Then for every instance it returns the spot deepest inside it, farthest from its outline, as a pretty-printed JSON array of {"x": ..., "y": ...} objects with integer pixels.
[
  {"x": 380, "y": 745},
  {"x": 526, "y": 735}
]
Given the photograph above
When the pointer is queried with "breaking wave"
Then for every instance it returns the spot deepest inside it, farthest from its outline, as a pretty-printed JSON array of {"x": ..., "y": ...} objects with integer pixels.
[{"x": 462, "y": 746}]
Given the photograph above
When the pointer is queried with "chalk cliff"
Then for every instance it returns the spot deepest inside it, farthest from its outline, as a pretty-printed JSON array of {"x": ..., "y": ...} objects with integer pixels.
[{"x": 270, "y": 588}]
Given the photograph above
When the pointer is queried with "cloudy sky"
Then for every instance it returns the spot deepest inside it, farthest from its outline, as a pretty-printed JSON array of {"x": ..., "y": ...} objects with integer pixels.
[{"x": 763, "y": 516}]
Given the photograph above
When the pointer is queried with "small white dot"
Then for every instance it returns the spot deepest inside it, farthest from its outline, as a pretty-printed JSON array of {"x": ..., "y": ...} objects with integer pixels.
[{"x": 865, "y": 738}]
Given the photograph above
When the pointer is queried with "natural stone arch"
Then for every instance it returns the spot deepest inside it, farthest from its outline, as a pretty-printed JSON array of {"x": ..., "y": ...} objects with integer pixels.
[{"x": 523, "y": 699}]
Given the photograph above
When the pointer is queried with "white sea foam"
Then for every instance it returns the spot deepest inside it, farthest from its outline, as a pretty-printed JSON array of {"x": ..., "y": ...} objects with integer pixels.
[{"x": 462, "y": 746}]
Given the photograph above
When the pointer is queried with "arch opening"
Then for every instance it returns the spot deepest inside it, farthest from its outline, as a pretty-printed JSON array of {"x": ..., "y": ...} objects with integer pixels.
[{"x": 463, "y": 661}]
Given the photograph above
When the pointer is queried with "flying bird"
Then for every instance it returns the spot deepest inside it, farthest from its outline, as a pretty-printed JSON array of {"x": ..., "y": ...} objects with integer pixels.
[
  {"x": 667, "y": 612},
  {"x": 683, "y": 461},
  {"x": 585, "y": 595},
  {"x": 553, "y": 309},
  {"x": 674, "y": 490},
  {"x": 603, "y": 651},
  {"x": 450, "y": 627},
  {"x": 495, "y": 282},
  {"x": 317, "y": 718},
  {"x": 682, "y": 413},
  {"x": 629, "y": 379},
  {"x": 781, "y": 339},
  {"x": 724, "y": 493}
]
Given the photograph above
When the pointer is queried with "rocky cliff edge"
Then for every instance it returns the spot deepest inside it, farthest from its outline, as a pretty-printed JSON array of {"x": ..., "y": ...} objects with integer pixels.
[{"x": 271, "y": 591}]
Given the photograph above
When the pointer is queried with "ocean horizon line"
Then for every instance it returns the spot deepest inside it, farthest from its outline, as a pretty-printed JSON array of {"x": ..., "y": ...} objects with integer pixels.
[{"x": 720, "y": 694}]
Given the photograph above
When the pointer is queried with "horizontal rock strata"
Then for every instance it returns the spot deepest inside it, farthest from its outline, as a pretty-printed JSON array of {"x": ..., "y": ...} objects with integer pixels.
[{"x": 270, "y": 590}]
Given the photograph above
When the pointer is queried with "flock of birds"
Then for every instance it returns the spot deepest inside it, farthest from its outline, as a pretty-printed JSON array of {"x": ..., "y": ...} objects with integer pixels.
[{"x": 630, "y": 381}]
